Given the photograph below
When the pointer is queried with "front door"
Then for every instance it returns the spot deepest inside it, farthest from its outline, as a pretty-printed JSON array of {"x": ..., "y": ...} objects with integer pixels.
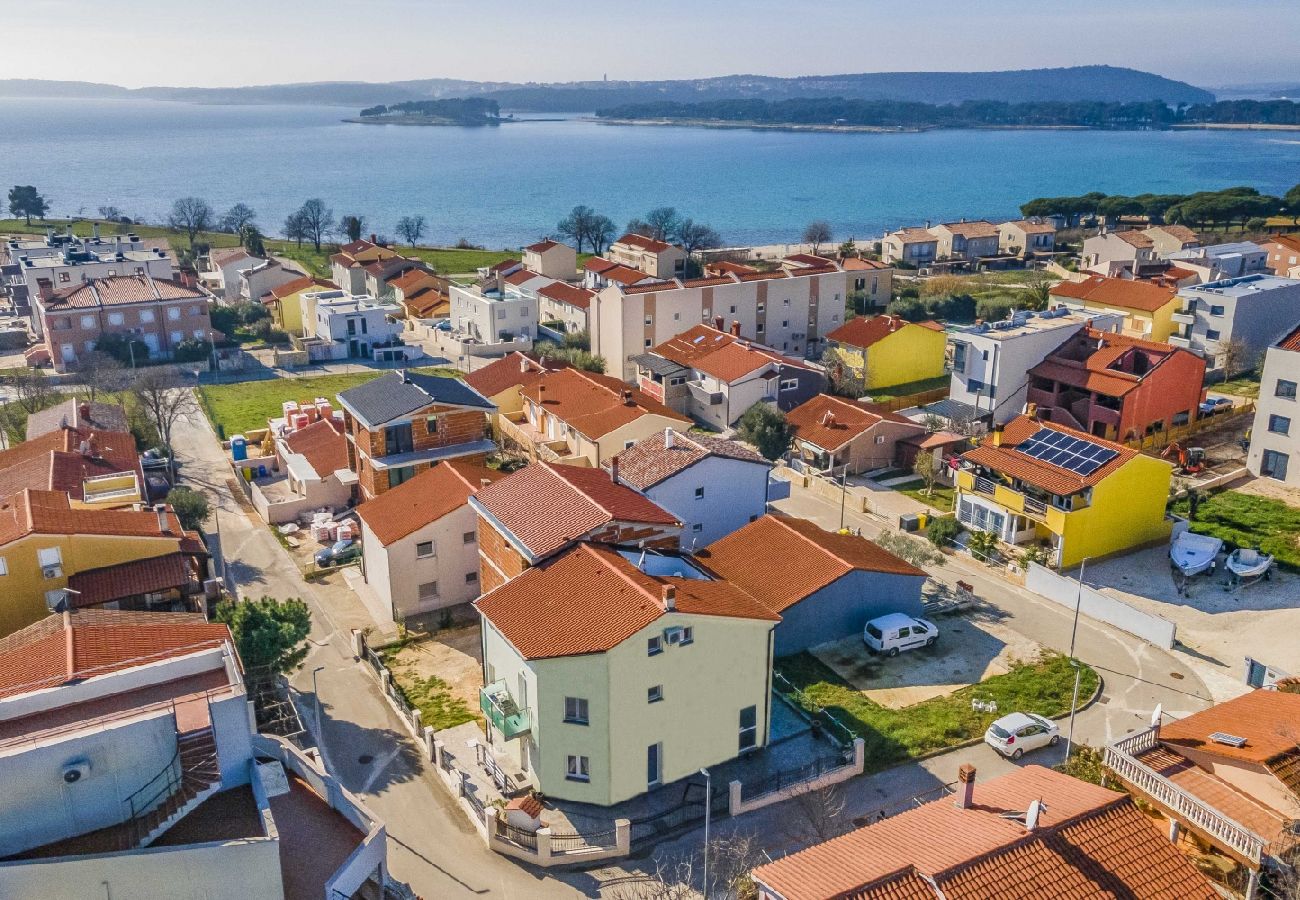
[{"x": 653, "y": 770}]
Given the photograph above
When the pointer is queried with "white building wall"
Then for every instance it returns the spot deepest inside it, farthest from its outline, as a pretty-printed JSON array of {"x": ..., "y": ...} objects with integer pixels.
[
  {"x": 1279, "y": 365},
  {"x": 735, "y": 493}
]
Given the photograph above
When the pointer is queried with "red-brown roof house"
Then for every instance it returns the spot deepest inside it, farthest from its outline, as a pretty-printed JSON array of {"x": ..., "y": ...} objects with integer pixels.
[{"x": 832, "y": 433}]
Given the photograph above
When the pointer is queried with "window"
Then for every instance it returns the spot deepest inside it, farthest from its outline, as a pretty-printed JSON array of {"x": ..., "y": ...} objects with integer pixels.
[
  {"x": 649, "y": 343},
  {"x": 177, "y": 336},
  {"x": 697, "y": 527},
  {"x": 1279, "y": 424},
  {"x": 654, "y": 694},
  {"x": 789, "y": 384},
  {"x": 174, "y": 313},
  {"x": 431, "y": 425},
  {"x": 87, "y": 321},
  {"x": 1181, "y": 418},
  {"x": 785, "y": 323},
  {"x": 628, "y": 444},
  {"x": 1285, "y": 389},
  {"x": 1211, "y": 334},
  {"x": 959, "y": 357},
  {"x": 50, "y": 560},
  {"x": 1273, "y": 465},
  {"x": 835, "y": 317},
  {"x": 733, "y": 310},
  {"x": 761, "y": 308},
  {"x": 759, "y": 328},
  {"x": 575, "y": 710},
  {"x": 501, "y": 313},
  {"x": 748, "y": 728},
  {"x": 974, "y": 385},
  {"x": 577, "y": 768},
  {"x": 471, "y": 577},
  {"x": 654, "y": 646},
  {"x": 146, "y": 315},
  {"x": 424, "y": 550},
  {"x": 64, "y": 277},
  {"x": 1216, "y": 310},
  {"x": 653, "y": 770},
  {"x": 677, "y": 317},
  {"x": 699, "y": 493},
  {"x": 704, "y": 314},
  {"x": 198, "y": 334},
  {"x": 688, "y": 636},
  {"x": 400, "y": 475},
  {"x": 428, "y": 591},
  {"x": 880, "y": 439},
  {"x": 397, "y": 439},
  {"x": 649, "y": 320},
  {"x": 116, "y": 318},
  {"x": 4, "y": 566},
  {"x": 468, "y": 537}
]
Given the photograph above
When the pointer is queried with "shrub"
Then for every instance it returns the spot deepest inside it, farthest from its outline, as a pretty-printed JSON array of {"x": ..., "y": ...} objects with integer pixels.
[
  {"x": 765, "y": 427},
  {"x": 191, "y": 507},
  {"x": 190, "y": 350},
  {"x": 943, "y": 531},
  {"x": 983, "y": 545}
]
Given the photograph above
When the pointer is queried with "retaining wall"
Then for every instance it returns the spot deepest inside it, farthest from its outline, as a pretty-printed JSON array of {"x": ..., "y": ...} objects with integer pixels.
[{"x": 1101, "y": 607}]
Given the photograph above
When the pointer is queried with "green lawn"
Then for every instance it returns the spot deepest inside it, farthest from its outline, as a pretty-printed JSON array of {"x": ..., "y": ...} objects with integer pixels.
[
  {"x": 880, "y": 395},
  {"x": 246, "y": 405},
  {"x": 941, "y": 497},
  {"x": 895, "y": 735},
  {"x": 1248, "y": 520},
  {"x": 1246, "y": 385}
]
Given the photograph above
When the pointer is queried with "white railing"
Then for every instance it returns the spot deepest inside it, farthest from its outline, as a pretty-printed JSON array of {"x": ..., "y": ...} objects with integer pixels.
[{"x": 1120, "y": 760}]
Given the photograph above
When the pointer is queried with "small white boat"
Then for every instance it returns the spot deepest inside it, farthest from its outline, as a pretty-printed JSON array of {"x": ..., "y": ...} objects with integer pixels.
[
  {"x": 1246, "y": 564},
  {"x": 1193, "y": 554}
]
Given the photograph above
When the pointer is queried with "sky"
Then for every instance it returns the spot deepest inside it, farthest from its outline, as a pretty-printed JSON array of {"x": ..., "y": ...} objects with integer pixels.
[{"x": 238, "y": 42}]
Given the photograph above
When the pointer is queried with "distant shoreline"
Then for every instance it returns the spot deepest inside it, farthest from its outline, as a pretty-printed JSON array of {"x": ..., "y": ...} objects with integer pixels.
[
  {"x": 435, "y": 121},
  {"x": 839, "y": 129}
]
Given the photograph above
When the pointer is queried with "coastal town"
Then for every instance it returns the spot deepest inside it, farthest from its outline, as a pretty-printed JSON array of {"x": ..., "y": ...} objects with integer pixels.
[{"x": 931, "y": 564}]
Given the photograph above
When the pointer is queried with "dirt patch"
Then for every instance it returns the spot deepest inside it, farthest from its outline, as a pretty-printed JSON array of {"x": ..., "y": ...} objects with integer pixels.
[
  {"x": 1272, "y": 489},
  {"x": 453, "y": 655}
]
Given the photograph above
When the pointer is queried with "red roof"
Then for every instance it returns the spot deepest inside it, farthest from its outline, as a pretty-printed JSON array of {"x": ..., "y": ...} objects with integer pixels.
[
  {"x": 864, "y": 331},
  {"x": 1100, "y": 361},
  {"x": 523, "y": 276},
  {"x": 590, "y": 599},
  {"x": 641, "y": 242},
  {"x": 53, "y": 461},
  {"x": 131, "y": 579},
  {"x": 515, "y": 369},
  {"x": 323, "y": 444},
  {"x": 978, "y": 228},
  {"x": 577, "y": 297},
  {"x": 599, "y": 264},
  {"x": 1008, "y": 460},
  {"x": 546, "y": 507},
  {"x": 92, "y": 642},
  {"x": 121, "y": 289},
  {"x": 1266, "y": 719},
  {"x": 809, "y": 259},
  {"x": 798, "y": 559},
  {"x": 49, "y": 512},
  {"x": 290, "y": 288},
  {"x": 543, "y": 246},
  {"x": 1120, "y": 292},
  {"x": 1291, "y": 341},
  {"x": 660, "y": 456},
  {"x": 719, "y": 353},
  {"x": 626, "y": 275},
  {"x": 426, "y": 498},
  {"x": 1089, "y": 843},
  {"x": 830, "y": 422},
  {"x": 593, "y": 404}
]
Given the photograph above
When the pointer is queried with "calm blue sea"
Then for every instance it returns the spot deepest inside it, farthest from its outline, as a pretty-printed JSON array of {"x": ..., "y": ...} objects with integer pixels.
[{"x": 505, "y": 186}]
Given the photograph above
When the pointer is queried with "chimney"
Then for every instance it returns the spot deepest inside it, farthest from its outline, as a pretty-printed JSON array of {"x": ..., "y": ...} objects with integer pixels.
[
  {"x": 668, "y": 438},
  {"x": 523, "y": 365},
  {"x": 94, "y": 230},
  {"x": 997, "y": 435},
  {"x": 670, "y": 597},
  {"x": 735, "y": 327},
  {"x": 49, "y": 233},
  {"x": 718, "y": 322},
  {"x": 484, "y": 482},
  {"x": 627, "y": 398},
  {"x": 966, "y": 786},
  {"x": 84, "y": 411},
  {"x": 374, "y": 240},
  {"x": 163, "y": 525},
  {"x": 1036, "y": 809},
  {"x": 84, "y": 448},
  {"x": 1031, "y": 410},
  {"x": 613, "y": 469}
]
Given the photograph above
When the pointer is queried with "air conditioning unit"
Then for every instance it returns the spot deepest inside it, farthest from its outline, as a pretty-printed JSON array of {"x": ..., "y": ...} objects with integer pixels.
[
  {"x": 673, "y": 635},
  {"x": 51, "y": 571},
  {"x": 75, "y": 771}
]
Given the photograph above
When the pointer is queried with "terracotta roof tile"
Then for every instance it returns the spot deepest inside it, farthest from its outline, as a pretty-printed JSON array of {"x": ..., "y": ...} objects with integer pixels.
[
  {"x": 858, "y": 264},
  {"x": 323, "y": 444},
  {"x": 808, "y": 259},
  {"x": 426, "y": 498},
  {"x": 522, "y": 276},
  {"x": 1123, "y": 293},
  {"x": 577, "y": 297},
  {"x": 650, "y": 286},
  {"x": 515, "y": 369},
  {"x": 1134, "y": 238},
  {"x": 719, "y": 353},
  {"x": 914, "y": 236},
  {"x": 1266, "y": 719},
  {"x": 865, "y": 331},
  {"x": 130, "y": 579},
  {"x": 655, "y": 458},
  {"x": 599, "y": 264},
  {"x": 593, "y": 404},
  {"x": 641, "y": 242},
  {"x": 626, "y": 275},
  {"x": 831, "y": 422},
  {"x": 1094, "y": 360},
  {"x": 1008, "y": 460},
  {"x": 225, "y": 256},
  {"x": 102, "y": 417},
  {"x": 729, "y": 267},
  {"x": 289, "y": 288},
  {"x": 122, "y": 289},
  {"x": 976, "y": 229},
  {"x": 1178, "y": 233},
  {"x": 49, "y": 512},
  {"x": 1291, "y": 341},
  {"x": 797, "y": 559},
  {"x": 53, "y": 461},
  {"x": 1034, "y": 227}
]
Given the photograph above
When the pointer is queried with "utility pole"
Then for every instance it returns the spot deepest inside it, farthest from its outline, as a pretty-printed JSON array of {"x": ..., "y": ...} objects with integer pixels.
[
  {"x": 1078, "y": 670},
  {"x": 708, "y": 809}
]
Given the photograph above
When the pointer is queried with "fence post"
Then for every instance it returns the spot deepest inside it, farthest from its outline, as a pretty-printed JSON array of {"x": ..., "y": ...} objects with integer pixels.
[
  {"x": 733, "y": 798},
  {"x": 416, "y": 723},
  {"x": 859, "y": 754},
  {"x": 544, "y": 846},
  {"x": 429, "y": 746},
  {"x": 358, "y": 643},
  {"x": 489, "y": 826},
  {"x": 623, "y": 836}
]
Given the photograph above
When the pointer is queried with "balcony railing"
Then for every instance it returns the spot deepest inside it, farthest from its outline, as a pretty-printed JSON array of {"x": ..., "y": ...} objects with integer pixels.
[
  {"x": 984, "y": 486},
  {"x": 502, "y": 711},
  {"x": 1121, "y": 759},
  {"x": 1035, "y": 507},
  {"x": 702, "y": 394}
]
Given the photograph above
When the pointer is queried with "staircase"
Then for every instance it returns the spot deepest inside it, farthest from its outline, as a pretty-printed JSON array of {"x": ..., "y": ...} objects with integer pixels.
[{"x": 191, "y": 777}]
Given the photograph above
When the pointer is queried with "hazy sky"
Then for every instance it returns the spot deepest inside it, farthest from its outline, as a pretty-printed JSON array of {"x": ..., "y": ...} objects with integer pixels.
[{"x": 234, "y": 42}]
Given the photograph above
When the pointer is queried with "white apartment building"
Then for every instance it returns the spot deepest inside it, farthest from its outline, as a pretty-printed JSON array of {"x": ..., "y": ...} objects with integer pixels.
[
  {"x": 1219, "y": 261},
  {"x": 788, "y": 310},
  {"x": 552, "y": 259},
  {"x": 658, "y": 259},
  {"x": 1254, "y": 310},
  {"x": 493, "y": 314},
  {"x": 1275, "y": 435},
  {"x": 352, "y": 326}
]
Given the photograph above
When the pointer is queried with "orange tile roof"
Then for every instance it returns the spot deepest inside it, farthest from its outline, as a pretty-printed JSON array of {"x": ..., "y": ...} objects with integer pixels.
[
  {"x": 831, "y": 422},
  {"x": 809, "y": 259},
  {"x": 1009, "y": 461},
  {"x": 577, "y": 297},
  {"x": 599, "y": 264},
  {"x": 1033, "y": 227},
  {"x": 1289, "y": 241},
  {"x": 865, "y": 331},
  {"x": 542, "y": 246},
  {"x": 415, "y": 278},
  {"x": 651, "y": 286},
  {"x": 590, "y": 599},
  {"x": 515, "y": 369},
  {"x": 91, "y": 642},
  {"x": 720, "y": 354},
  {"x": 1120, "y": 292},
  {"x": 1178, "y": 233},
  {"x": 53, "y": 461},
  {"x": 522, "y": 276},
  {"x": 652, "y": 459},
  {"x": 323, "y": 444},
  {"x": 797, "y": 559},
  {"x": 976, "y": 229},
  {"x": 858, "y": 264},
  {"x": 1089, "y": 843},
  {"x": 546, "y": 507},
  {"x": 729, "y": 266},
  {"x": 914, "y": 236},
  {"x": 625, "y": 275},
  {"x": 49, "y": 512},
  {"x": 121, "y": 289},
  {"x": 1090, "y": 359},
  {"x": 225, "y": 256},
  {"x": 593, "y": 404},
  {"x": 1291, "y": 341},
  {"x": 1266, "y": 719},
  {"x": 289, "y": 288},
  {"x": 1134, "y": 238},
  {"x": 131, "y": 579},
  {"x": 426, "y": 498},
  {"x": 642, "y": 242}
]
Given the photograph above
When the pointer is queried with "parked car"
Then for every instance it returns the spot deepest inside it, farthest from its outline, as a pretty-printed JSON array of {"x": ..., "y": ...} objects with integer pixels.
[
  {"x": 890, "y": 634},
  {"x": 338, "y": 553},
  {"x": 1215, "y": 405},
  {"x": 1017, "y": 732}
]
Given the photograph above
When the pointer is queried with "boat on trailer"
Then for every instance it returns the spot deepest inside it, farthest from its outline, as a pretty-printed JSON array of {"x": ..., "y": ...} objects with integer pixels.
[
  {"x": 1193, "y": 554},
  {"x": 1247, "y": 565}
]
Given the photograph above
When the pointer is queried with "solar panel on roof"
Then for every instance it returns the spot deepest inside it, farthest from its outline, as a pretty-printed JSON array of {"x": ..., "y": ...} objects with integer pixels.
[{"x": 1066, "y": 451}]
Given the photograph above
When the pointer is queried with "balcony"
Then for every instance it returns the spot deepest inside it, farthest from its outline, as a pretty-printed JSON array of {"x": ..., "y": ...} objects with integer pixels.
[
  {"x": 1035, "y": 507},
  {"x": 1184, "y": 318},
  {"x": 502, "y": 711},
  {"x": 701, "y": 394},
  {"x": 985, "y": 486},
  {"x": 1177, "y": 340}
]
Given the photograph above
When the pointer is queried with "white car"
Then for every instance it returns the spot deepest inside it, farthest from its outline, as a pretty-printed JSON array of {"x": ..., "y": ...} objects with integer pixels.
[
  {"x": 1017, "y": 732},
  {"x": 895, "y": 632}
]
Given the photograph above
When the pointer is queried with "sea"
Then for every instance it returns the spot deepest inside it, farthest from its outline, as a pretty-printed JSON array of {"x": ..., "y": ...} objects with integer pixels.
[{"x": 504, "y": 186}]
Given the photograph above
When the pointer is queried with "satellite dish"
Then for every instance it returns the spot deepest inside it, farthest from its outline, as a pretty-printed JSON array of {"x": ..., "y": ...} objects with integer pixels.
[{"x": 1155, "y": 716}]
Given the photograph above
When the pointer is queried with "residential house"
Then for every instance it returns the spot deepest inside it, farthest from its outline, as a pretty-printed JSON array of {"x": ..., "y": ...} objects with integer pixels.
[
  {"x": 1169, "y": 239},
  {"x": 1026, "y": 238},
  {"x": 598, "y": 273},
  {"x": 75, "y": 413},
  {"x": 133, "y": 770},
  {"x": 1147, "y": 307},
  {"x": 1237, "y": 317},
  {"x": 96, "y": 469},
  {"x": 499, "y": 270},
  {"x": 255, "y": 281},
  {"x": 503, "y": 380},
  {"x": 313, "y": 472},
  {"x": 658, "y": 259},
  {"x": 1117, "y": 387},
  {"x": 1110, "y": 252},
  {"x": 1092, "y": 499},
  {"x": 285, "y": 302},
  {"x": 1032, "y": 833},
  {"x": 715, "y": 376},
  {"x": 354, "y": 326},
  {"x": 498, "y": 313},
  {"x": 219, "y": 270},
  {"x": 1227, "y": 777},
  {"x": 540, "y": 510},
  {"x": 608, "y": 673},
  {"x": 580, "y": 417},
  {"x": 159, "y": 314},
  {"x": 884, "y": 351},
  {"x": 380, "y": 275},
  {"x": 422, "y": 294},
  {"x": 990, "y": 361},
  {"x": 970, "y": 241},
  {"x": 50, "y": 548},
  {"x": 871, "y": 283},
  {"x": 565, "y": 307},
  {"x": 835, "y": 435},
  {"x": 348, "y": 265},
  {"x": 913, "y": 247},
  {"x": 825, "y": 586},
  {"x": 404, "y": 422},
  {"x": 711, "y": 485},
  {"x": 1275, "y": 436},
  {"x": 788, "y": 310},
  {"x": 1283, "y": 255},
  {"x": 420, "y": 542},
  {"x": 1221, "y": 261},
  {"x": 552, "y": 259}
]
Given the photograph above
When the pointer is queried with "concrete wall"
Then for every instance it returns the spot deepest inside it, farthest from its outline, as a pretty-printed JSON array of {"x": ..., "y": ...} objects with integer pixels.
[
  {"x": 735, "y": 493},
  {"x": 844, "y": 607},
  {"x": 1101, "y": 607}
]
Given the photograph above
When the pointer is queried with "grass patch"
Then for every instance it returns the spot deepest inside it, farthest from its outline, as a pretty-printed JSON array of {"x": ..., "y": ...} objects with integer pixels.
[
  {"x": 1248, "y": 520},
  {"x": 880, "y": 395},
  {"x": 1242, "y": 386},
  {"x": 246, "y": 405},
  {"x": 895, "y": 735},
  {"x": 432, "y": 696},
  {"x": 941, "y": 498}
]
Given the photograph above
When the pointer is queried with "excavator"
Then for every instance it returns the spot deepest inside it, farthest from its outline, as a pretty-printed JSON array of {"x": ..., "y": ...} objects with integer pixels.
[{"x": 1191, "y": 460}]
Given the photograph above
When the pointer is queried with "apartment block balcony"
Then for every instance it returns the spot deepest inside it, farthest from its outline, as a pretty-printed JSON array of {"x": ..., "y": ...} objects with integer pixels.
[
  {"x": 502, "y": 710},
  {"x": 1177, "y": 340},
  {"x": 701, "y": 394},
  {"x": 1184, "y": 318},
  {"x": 1044, "y": 398}
]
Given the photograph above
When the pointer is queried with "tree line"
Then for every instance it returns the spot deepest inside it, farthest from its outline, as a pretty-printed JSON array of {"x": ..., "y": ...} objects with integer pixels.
[
  {"x": 1235, "y": 204},
  {"x": 463, "y": 111},
  {"x": 590, "y": 230}
]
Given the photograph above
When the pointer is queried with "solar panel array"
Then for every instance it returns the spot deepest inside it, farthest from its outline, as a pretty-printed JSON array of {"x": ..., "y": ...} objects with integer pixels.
[{"x": 1066, "y": 451}]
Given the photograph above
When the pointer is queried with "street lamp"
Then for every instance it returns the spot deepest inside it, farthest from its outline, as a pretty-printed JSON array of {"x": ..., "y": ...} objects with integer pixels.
[
  {"x": 315, "y": 692},
  {"x": 844, "y": 491},
  {"x": 1074, "y": 663},
  {"x": 708, "y": 809}
]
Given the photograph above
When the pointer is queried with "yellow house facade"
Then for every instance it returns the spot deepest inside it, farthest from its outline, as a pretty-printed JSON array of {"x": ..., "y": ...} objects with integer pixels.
[
  {"x": 285, "y": 303},
  {"x": 884, "y": 351},
  {"x": 1148, "y": 309},
  {"x": 1074, "y": 511}
]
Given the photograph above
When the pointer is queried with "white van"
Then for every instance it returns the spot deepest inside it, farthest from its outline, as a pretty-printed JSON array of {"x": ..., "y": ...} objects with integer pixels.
[{"x": 894, "y": 632}]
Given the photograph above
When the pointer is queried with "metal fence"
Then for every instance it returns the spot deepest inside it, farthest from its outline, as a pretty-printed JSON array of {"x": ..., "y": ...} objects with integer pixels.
[
  {"x": 684, "y": 816},
  {"x": 785, "y": 778},
  {"x": 517, "y": 836},
  {"x": 475, "y": 802},
  {"x": 569, "y": 842},
  {"x": 837, "y": 730}
]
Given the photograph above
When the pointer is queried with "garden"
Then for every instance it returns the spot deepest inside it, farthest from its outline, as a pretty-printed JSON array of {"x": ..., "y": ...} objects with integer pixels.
[{"x": 1247, "y": 520}]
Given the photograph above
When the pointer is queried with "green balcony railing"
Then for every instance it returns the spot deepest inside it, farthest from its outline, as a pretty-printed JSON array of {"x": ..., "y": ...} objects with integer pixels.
[{"x": 502, "y": 711}]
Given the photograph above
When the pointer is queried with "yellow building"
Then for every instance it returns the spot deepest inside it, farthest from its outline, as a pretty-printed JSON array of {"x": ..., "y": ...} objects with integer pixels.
[
  {"x": 1148, "y": 307},
  {"x": 1093, "y": 498},
  {"x": 883, "y": 351},
  {"x": 53, "y": 553},
  {"x": 285, "y": 302}
]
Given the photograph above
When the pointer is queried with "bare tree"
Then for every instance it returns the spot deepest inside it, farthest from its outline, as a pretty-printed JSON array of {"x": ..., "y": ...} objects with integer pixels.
[
  {"x": 576, "y": 226},
  {"x": 601, "y": 233},
  {"x": 161, "y": 397},
  {"x": 731, "y": 859},
  {"x": 353, "y": 226},
  {"x": 817, "y": 816},
  {"x": 316, "y": 220},
  {"x": 110, "y": 213},
  {"x": 100, "y": 373},
  {"x": 237, "y": 218},
  {"x": 32, "y": 390},
  {"x": 1236, "y": 357},
  {"x": 697, "y": 236},
  {"x": 190, "y": 215},
  {"x": 662, "y": 223},
  {"x": 294, "y": 229},
  {"x": 817, "y": 232},
  {"x": 410, "y": 229}
]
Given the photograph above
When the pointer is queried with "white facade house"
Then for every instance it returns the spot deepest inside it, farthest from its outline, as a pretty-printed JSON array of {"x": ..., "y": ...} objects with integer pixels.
[
  {"x": 1275, "y": 436},
  {"x": 910, "y": 246},
  {"x": 552, "y": 259},
  {"x": 262, "y": 278},
  {"x": 219, "y": 270},
  {"x": 990, "y": 362},
  {"x": 1253, "y": 311},
  {"x": 493, "y": 315},
  {"x": 1220, "y": 261},
  {"x": 349, "y": 326},
  {"x": 1110, "y": 251}
]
